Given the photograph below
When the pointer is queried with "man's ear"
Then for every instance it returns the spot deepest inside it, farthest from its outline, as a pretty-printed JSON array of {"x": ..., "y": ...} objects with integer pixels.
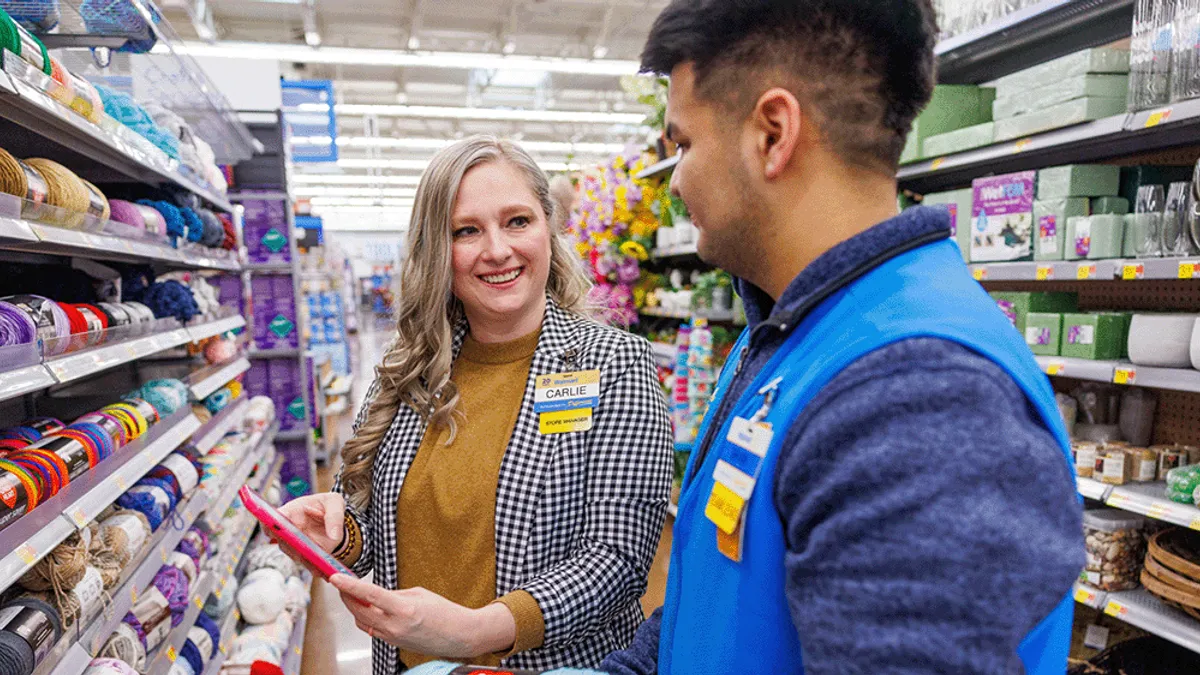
[{"x": 777, "y": 126}]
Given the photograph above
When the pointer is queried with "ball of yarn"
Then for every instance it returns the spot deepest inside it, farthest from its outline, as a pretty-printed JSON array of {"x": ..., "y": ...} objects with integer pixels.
[
  {"x": 184, "y": 563},
  {"x": 193, "y": 226},
  {"x": 218, "y": 400},
  {"x": 171, "y": 299},
  {"x": 108, "y": 666},
  {"x": 126, "y": 645},
  {"x": 210, "y": 627},
  {"x": 16, "y": 326},
  {"x": 270, "y": 556},
  {"x": 217, "y": 608},
  {"x": 261, "y": 596},
  {"x": 214, "y": 231},
  {"x": 201, "y": 412},
  {"x": 173, "y": 585},
  {"x": 218, "y": 350},
  {"x": 296, "y": 596},
  {"x": 151, "y": 501},
  {"x": 40, "y": 16},
  {"x": 166, "y": 395},
  {"x": 32, "y": 617},
  {"x": 171, "y": 215},
  {"x": 191, "y": 655}
]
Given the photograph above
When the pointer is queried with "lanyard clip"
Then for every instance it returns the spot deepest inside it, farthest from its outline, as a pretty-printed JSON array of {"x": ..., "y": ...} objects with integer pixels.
[{"x": 769, "y": 392}]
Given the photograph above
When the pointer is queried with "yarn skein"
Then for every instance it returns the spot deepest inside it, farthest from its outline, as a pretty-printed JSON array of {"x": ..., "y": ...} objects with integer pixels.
[
  {"x": 64, "y": 189},
  {"x": 127, "y": 645},
  {"x": 29, "y": 628}
]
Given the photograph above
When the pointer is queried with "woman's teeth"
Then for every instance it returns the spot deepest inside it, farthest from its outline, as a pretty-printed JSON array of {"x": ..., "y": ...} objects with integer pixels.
[{"x": 502, "y": 278}]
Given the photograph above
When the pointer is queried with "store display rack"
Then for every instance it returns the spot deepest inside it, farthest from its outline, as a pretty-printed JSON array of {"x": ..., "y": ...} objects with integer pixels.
[
  {"x": 35, "y": 534},
  {"x": 693, "y": 314},
  {"x": 1140, "y": 608},
  {"x": 24, "y": 235},
  {"x": 208, "y": 380},
  {"x": 1090, "y": 270},
  {"x": 257, "y": 444},
  {"x": 678, "y": 251},
  {"x": 161, "y": 660},
  {"x": 1121, "y": 372},
  {"x": 221, "y": 423},
  {"x": 295, "y": 651}
]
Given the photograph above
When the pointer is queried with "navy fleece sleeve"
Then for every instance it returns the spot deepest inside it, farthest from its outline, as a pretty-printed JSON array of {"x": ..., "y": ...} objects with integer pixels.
[
  {"x": 641, "y": 657},
  {"x": 930, "y": 518}
]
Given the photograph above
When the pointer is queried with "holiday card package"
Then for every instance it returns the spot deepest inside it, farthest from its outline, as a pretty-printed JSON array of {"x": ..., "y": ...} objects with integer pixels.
[
  {"x": 1019, "y": 102},
  {"x": 952, "y": 107},
  {"x": 1098, "y": 336},
  {"x": 958, "y": 204},
  {"x": 975, "y": 136},
  {"x": 265, "y": 227},
  {"x": 1002, "y": 217},
  {"x": 1078, "y": 180},
  {"x": 1052, "y": 73},
  {"x": 1114, "y": 206},
  {"x": 1058, "y": 116},
  {"x": 1095, "y": 237},
  {"x": 1042, "y": 332},
  {"x": 1017, "y": 305},
  {"x": 1050, "y": 225}
]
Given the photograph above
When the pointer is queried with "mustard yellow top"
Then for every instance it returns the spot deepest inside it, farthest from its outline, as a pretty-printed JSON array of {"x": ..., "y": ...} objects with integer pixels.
[{"x": 446, "y": 514}]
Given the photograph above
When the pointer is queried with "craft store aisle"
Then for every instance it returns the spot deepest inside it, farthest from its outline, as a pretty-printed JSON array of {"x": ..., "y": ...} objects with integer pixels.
[{"x": 333, "y": 645}]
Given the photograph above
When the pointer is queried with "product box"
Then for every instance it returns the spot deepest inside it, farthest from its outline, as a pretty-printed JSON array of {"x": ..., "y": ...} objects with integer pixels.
[
  {"x": 1129, "y": 241},
  {"x": 1116, "y": 206},
  {"x": 1169, "y": 457},
  {"x": 953, "y": 106},
  {"x": 1085, "y": 458},
  {"x": 1050, "y": 220},
  {"x": 1019, "y": 102},
  {"x": 1051, "y": 73},
  {"x": 1043, "y": 332},
  {"x": 1098, "y": 336},
  {"x": 1117, "y": 467},
  {"x": 1058, "y": 116},
  {"x": 258, "y": 379},
  {"x": 975, "y": 136},
  {"x": 1095, "y": 237},
  {"x": 1145, "y": 464},
  {"x": 296, "y": 472},
  {"x": 958, "y": 204},
  {"x": 1002, "y": 217},
  {"x": 1017, "y": 305},
  {"x": 265, "y": 229},
  {"x": 1078, "y": 180}
]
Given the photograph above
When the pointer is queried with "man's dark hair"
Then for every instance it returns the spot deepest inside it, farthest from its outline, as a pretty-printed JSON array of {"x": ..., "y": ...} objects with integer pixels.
[{"x": 863, "y": 68}]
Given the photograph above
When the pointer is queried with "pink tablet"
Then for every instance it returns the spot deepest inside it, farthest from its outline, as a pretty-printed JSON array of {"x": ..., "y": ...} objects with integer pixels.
[{"x": 289, "y": 535}]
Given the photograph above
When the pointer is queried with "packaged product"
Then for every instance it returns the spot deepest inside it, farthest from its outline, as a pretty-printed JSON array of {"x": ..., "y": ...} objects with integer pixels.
[
  {"x": 1183, "y": 481},
  {"x": 1115, "y": 549},
  {"x": 1078, "y": 180},
  {"x": 1170, "y": 459},
  {"x": 1050, "y": 219},
  {"x": 1145, "y": 464},
  {"x": 958, "y": 204},
  {"x": 1116, "y": 206},
  {"x": 1017, "y": 305},
  {"x": 1002, "y": 217},
  {"x": 1076, "y": 86},
  {"x": 1043, "y": 332},
  {"x": 1049, "y": 74},
  {"x": 975, "y": 136},
  {"x": 1085, "y": 458},
  {"x": 1058, "y": 116},
  {"x": 1117, "y": 466},
  {"x": 1098, "y": 336}
]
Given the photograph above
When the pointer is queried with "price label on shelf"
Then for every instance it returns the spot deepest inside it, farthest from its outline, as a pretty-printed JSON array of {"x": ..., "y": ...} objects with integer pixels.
[
  {"x": 1114, "y": 608},
  {"x": 1187, "y": 269},
  {"x": 1044, "y": 272},
  {"x": 122, "y": 484},
  {"x": 199, "y": 602},
  {"x": 1084, "y": 596},
  {"x": 937, "y": 163},
  {"x": 1157, "y": 117},
  {"x": 1159, "y": 510},
  {"x": 980, "y": 273},
  {"x": 1124, "y": 375},
  {"x": 133, "y": 595},
  {"x": 163, "y": 552},
  {"x": 1055, "y": 368},
  {"x": 171, "y": 655},
  {"x": 1022, "y": 145},
  {"x": 1085, "y": 271},
  {"x": 27, "y": 554},
  {"x": 229, "y": 569},
  {"x": 79, "y": 518},
  {"x": 1132, "y": 271}
]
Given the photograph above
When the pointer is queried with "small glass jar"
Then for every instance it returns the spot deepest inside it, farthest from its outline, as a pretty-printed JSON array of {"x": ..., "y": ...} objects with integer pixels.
[{"x": 1116, "y": 549}]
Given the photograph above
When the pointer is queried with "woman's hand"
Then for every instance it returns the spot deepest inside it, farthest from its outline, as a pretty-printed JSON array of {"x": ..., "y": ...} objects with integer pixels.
[
  {"x": 418, "y": 620},
  {"x": 320, "y": 516}
]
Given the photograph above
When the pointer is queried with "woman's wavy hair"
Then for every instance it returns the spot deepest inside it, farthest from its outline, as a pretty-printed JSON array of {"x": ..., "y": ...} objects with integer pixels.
[{"x": 416, "y": 366}]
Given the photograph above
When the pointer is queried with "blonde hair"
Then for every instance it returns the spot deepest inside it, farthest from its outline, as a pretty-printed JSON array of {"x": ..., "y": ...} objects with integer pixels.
[{"x": 415, "y": 371}]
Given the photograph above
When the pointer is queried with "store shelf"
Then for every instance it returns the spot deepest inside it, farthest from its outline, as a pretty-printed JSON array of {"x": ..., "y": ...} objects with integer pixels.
[
  {"x": 1035, "y": 34},
  {"x": 87, "y": 362},
  {"x": 293, "y": 435},
  {"x": 238, "y": 476},
  {"x": 660, "y": 168},
  {"x": 673, "y": 251},
  {"x": 160, "y": 662},
  {"x": 221, "y": 423},
  {"x": 1092, "y": 597},
  {"x": 711, "y": 316},
  {"x": 35, "y": 534},
  {"x": 1089, "y": 270},
  {"x": 1093, "y": 489},
  {"x": 1140, "y": 608},
  {"x": 208, "y": 329},
  {"x": 29, "y": 236},
  {"x": 1121, "y": 372},
  {"x": 212, "y": 379},
  {"x": 1148, "y": 499},
  {"x": 295, "y": 652},
  {"x": 270, "y": 268},
  {"x": 141, "y": 573},
  {"x": 275, "y": 353},
  {"x": 37, "y": 120},
  {"x": 73, "y": 662},
  {"x": 227, "y": 625},
  {"x": 24, "y": 380}
]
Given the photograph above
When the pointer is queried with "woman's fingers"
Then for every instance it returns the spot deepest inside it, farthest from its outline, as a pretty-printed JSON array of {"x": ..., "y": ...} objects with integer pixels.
[{"x": 334, "y": 514}]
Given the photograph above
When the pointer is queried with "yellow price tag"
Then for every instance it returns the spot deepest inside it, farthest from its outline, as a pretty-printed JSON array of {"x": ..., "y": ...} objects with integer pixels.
[
  {"x": 163, "y": 552},
  {"x": 229, "y": 569},
  {"x": 296, "y": 649},
  {"x": 1195, "y": 524},
  {"x": 1157, "y": 117},
  {"x": 1114, "y": 608},
  {"x": 121, "y": 484},
  {"x": 1085, "y": 271},
  {"x": 1022, "y": 144},
  {"x": 1055, "y": 368},
  {"x": 1158, "y": 510},
  {"x": 133, "y": 595},
  {"x": 1084, "y": 596},
  {"x": 1045, "y": 272},
  {"x": 1124, "y": 375},
  {"x": 937, "y": 163},
  {"x": 27, "y": 554},
  {"x": 171, "y": 655},
  {"x": 724, "y": 508},
  {"x": 1133, "y": 271},
  {"x": 980, "y": 273},
  {"x": 79, "y": 517},
  {"x": 199, "y": 602},
  {"x": 1187, "y": 270}
]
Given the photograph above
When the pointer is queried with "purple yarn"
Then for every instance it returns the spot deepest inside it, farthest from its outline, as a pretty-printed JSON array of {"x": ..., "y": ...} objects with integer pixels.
[
  {"x": 190, "y": 549},
  {"x": 126, "y": 212},
  {"x": 173, "y": 584},
  {"x": 132, "y": 622},
  {"x": 62, "y": 323},
  {"x": 16, "y": 328}
]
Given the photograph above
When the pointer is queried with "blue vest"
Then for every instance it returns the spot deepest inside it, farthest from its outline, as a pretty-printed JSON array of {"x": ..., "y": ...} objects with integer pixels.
[{"x": 723, "y": 617}]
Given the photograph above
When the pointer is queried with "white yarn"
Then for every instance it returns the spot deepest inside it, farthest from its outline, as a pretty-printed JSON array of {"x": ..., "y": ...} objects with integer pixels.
[
  {"x": 271, "y": 556},
  {"x": 296, "y": 596},
  {"x": 261, "y": 596}
]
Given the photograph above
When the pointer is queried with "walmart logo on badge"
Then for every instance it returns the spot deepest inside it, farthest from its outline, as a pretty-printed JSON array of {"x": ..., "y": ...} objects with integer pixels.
[{"x": 567, "y": 391}]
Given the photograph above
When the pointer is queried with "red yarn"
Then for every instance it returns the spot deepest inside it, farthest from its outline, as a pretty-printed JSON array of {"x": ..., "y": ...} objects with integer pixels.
[
  {"x": 78, "y": 323},
  {"x": 98, "y": 312}
]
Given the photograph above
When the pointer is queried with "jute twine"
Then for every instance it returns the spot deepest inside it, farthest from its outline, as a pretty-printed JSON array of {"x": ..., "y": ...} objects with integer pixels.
[
  {"x": 12, "y": 177},
  {"x": 61, "y": 570},
  {"x": 65, "y": 189}
]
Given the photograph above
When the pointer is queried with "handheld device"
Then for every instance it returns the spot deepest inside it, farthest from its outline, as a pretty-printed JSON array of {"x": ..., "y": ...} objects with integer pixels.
[{"x": 289, "y": 535}]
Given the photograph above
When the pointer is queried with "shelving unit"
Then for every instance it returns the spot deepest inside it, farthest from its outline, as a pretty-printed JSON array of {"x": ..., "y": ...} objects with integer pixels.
[
  {"x": 21, "y": 235},
  {"x": 1122, "y": 372},
  {"x": 692, "y": 314},
  {"x": 673, "y": 251},
  {"x": 1090, "y": 270},
  {"x": 221, "y": 423},
  {"x": 211, "y": 379}
]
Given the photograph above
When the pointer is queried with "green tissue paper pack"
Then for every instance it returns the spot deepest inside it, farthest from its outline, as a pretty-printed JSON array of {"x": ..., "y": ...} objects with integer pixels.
[
  {"x": 1078, "y": 180},
  {"x": 1099, "y": 60},
  {"x": 1019, "y": 102},
  {"x": 1043, "y": 332},
  {"x": 958, "y": 204},
  {"x": 957, "y": 141},
  {"x": 1097, "y": 336},
  {"x": 1058, "y": 116},
  {"x": 1116, "y": 206},
  {"x": 1017, "y": 305},
  {"x": 1050, "y": 225}
]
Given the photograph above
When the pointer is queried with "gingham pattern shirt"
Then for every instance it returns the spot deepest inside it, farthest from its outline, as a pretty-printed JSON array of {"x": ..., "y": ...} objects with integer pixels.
[{"x": 578, "y": 515}]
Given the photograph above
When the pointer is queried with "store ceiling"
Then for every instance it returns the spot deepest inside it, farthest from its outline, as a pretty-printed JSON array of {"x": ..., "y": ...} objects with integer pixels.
[{"x": 608, "y": 31}]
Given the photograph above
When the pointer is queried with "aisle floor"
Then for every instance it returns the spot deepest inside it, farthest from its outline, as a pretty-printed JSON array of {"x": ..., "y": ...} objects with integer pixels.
[{"x": 333, "y": 645}]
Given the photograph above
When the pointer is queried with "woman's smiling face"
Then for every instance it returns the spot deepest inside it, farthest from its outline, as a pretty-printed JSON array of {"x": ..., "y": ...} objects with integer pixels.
[{"x": 501, "y": 246}]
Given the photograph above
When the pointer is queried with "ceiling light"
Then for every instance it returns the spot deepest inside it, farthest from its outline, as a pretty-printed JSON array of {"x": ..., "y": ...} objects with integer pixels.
[
  {"x": 312, "y": 38},
  {"x": 318, "y": 191},
  {"x": 393, "y": 58},
  {"x": 509, "y": 47},
  {"x": 316, "y": 179},
  {"x": 459, "y": 113},
  {"x": 414, "y": 43},
  {"x": 421, "y": 165},
  {"x": 439, "y": 143},
  {"x": 361, "y": 201}
]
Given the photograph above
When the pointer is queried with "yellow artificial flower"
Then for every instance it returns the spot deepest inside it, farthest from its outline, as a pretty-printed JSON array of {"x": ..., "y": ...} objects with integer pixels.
[
  {"x": 634, "y": 250},
  {"x": 583, "y": 249}
]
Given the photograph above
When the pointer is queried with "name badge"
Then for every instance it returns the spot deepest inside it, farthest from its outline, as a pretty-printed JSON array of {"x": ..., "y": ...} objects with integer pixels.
[
  {"x": 734, "y": 478},
  {"x": 565, "y": 401}
]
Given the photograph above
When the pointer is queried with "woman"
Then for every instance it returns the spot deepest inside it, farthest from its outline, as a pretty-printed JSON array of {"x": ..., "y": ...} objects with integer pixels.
[{"x": 511, "y": 469}]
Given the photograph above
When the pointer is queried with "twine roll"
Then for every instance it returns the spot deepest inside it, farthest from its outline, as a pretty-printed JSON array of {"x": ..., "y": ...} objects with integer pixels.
[
  {"x": 79, "y": 602},
  {"x": 16, "y": 326},
  {"x": 19, "y": 179},
  {"x": 61, "y": 570},
  {"x": 97, "y": 203},
  {"x": 63, "y": 188},
  {"x": 126, "y": 645},
  {"x": 29, "y": 629}
]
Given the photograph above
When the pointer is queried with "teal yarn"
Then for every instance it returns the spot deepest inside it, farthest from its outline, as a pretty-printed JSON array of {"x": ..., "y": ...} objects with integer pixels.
[
  {"x": 176, "y": 226},
  {"x": 217, "y": 401},
  {"x": 166, "y": 395}
]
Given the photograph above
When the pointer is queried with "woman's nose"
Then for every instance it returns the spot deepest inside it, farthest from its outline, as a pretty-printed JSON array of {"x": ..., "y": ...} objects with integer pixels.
[{"x": 495, "y": 245}]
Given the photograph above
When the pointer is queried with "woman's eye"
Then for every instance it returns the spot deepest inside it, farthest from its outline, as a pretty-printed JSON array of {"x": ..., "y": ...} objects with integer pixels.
[
  {"x": 464, "y": 231},
  {"x": 519, "y": 221}
]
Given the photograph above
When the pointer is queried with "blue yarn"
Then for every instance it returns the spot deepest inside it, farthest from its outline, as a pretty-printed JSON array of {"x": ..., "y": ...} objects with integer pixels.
[
  {"x": 170, "y": 213},
  {"x": 213, "y": 630},
  {"x": 217, "y": 401},
  {"x": 145, "y": 504},
  {"x": 166, "y": 395},
  {"x": 195, "y": 226},
  {"x": 214, "y": 231},
  {"x": 191, "y": 653},
  {"x": 166, "y": 486},
  {"x": 120, "y": 16},
  {"x": 171, "y": 298},
  {"x": 38, "y": 16}
]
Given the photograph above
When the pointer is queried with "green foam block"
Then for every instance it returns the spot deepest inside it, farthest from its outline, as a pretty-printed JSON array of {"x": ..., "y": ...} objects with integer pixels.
[
  {"x": 1116, "y": 206},
  {"x": 1058, "y": 116},
  {"x": 1050, "y": 225},
  {"x": 1021, "y": 101},
  {"x": 1043, "y": 332},
  {"x": 1098, "y": 336},
  {"x": 1078, "y": 180},
  {"x": 1017, "y": 305},
  {"x": 960, "y": 140},
  {"x": 958, "y": 204}
]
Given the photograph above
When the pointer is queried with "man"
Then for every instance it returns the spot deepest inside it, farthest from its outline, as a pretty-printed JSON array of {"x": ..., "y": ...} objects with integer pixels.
[{"x": 882, "y": 482}]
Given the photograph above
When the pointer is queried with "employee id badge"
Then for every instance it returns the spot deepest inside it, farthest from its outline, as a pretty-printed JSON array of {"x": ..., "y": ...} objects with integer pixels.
[
  {"x": 565, "y": 402},
  {"x": 734, "y": 478}
]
